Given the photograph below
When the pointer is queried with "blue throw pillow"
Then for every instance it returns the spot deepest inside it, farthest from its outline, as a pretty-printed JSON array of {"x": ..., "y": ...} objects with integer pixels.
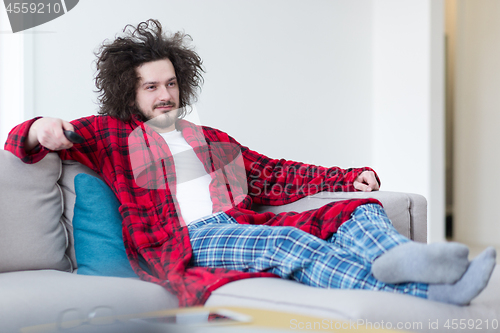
[{"x": 97, "y": 230}]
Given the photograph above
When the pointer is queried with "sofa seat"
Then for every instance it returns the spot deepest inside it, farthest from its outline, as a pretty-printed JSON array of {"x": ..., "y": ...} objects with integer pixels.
[{"x": 396, "y": 311}]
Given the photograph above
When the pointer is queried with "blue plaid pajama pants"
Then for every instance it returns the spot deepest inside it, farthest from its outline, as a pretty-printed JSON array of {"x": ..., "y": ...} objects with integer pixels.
[{"x": 342, "y": 261}]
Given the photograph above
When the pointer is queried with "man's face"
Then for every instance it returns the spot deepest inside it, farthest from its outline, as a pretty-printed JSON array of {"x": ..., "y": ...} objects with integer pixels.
[{"x": 157, "y": 94}]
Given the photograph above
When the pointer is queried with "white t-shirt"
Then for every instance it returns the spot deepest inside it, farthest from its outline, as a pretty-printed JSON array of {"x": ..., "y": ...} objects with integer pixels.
[{"x": 193, "y": 193}]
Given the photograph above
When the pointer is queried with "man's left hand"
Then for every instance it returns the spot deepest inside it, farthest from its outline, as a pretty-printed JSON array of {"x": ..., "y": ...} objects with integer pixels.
[{"x": 366, "y": 182}]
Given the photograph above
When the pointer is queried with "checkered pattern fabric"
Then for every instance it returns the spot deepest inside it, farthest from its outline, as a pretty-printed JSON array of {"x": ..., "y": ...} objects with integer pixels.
[
  {"x": 368, "y": 234},
  {"x": 343, "y": 262}
]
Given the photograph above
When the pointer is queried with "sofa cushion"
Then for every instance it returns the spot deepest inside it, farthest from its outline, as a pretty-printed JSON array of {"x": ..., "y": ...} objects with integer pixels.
[
  {"x": 32, "y": 235},
  {"x": 97, "y": 230}
]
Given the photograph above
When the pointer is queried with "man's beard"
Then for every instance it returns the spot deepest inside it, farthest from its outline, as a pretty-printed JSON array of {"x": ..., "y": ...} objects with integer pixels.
[{"x": 164, "y": 120}]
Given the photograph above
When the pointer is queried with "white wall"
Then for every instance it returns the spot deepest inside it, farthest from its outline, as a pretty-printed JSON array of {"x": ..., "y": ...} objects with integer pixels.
[
  {"x": 477, "y": 119},
  {"x": 288, "y": 78},
  {"x": 344, "y": 82},
  {"x": 408, "y": 101},
  {"x": 11, "y": 78}
]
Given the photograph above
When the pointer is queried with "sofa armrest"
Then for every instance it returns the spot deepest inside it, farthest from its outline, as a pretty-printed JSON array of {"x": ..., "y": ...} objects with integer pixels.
[{"x": 407, "y": 211}]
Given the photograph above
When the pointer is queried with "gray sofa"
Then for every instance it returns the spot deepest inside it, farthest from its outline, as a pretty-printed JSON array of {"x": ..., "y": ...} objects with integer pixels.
[{"x": 38, "y": 284}]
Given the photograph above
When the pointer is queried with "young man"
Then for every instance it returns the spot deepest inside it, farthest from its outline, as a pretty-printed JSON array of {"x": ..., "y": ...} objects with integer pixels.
[{"x": 186, "y": 192}]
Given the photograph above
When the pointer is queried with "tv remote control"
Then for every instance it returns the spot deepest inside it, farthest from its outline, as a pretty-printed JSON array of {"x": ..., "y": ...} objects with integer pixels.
[{"x": 73, "y": 137}]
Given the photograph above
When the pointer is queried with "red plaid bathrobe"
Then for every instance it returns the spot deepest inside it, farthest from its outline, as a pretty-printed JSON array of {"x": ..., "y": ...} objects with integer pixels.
[{"x": 137, "y": 165}]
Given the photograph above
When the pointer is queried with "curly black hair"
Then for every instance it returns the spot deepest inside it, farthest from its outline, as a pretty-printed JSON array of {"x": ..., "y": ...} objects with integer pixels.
[{"x": 116, "y": 77}]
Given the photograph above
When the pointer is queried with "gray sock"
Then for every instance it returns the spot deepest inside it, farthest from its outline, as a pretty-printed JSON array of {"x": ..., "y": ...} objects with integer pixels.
[
  {"x": 470, "y": 285},
  {"x": 426, "y": 263}
]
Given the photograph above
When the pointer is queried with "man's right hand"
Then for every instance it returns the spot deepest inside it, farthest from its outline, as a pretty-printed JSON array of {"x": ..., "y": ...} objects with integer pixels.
[{"x": 49, "y": 133}]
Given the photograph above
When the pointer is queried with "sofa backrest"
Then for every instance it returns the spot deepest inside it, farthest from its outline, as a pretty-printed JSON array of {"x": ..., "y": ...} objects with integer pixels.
[
  {"x": 36, "y": 210},
  {"x": 32, "y": 234}
]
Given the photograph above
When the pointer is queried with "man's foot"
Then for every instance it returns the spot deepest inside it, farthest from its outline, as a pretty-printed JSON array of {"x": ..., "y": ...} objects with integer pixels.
[
  {"x": 470, "y": 285},
  {"x": 426, "y": 263}
]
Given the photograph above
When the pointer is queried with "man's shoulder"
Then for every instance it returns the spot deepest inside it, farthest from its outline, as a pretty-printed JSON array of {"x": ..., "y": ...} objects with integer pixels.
[
  {"x": 101, "y": 120},
  {"x": 209, "y": 129},
  {"x": 216, "y": 134},
  {"x": 210, "y": 133}
]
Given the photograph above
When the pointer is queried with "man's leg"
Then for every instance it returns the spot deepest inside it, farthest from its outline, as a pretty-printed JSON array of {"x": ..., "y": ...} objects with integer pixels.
[
  {"x": 287, "y": 252},
  {"x": 394, "y": 258}
]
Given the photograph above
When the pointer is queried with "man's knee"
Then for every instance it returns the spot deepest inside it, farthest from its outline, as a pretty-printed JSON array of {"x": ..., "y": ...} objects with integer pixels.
[{"x": 288, "y": 237}]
